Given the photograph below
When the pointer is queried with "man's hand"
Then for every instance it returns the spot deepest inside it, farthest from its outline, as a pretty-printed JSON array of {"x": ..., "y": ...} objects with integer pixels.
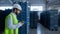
[{"x": 21, "y": 23}]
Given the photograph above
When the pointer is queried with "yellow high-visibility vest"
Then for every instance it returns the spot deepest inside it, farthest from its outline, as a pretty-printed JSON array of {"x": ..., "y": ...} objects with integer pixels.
[{"x": 15, "y": 21}]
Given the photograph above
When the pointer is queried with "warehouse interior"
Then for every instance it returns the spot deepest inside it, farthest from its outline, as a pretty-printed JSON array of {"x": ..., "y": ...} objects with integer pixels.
[{"x": 40, "y": 16}]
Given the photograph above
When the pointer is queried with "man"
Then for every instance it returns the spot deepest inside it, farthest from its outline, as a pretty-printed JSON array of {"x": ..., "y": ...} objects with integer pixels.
[{"x": 11, "y": 22}]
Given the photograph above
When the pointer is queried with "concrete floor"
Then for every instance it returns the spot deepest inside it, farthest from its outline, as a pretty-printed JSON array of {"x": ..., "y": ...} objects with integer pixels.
[
  {"x": 33, "y": 31},
  {"x": 43, "y": 30}
]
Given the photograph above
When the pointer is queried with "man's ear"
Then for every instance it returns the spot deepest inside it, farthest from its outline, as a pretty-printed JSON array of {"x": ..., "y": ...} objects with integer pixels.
[{"x": 15, "y": 10}]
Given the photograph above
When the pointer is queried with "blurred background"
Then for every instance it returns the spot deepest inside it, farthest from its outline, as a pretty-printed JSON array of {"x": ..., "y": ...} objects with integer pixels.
[{"x": 40, "y": 16}]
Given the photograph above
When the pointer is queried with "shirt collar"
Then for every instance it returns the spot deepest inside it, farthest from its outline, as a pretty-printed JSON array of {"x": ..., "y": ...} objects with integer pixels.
[{"x": 14, "y": 14}]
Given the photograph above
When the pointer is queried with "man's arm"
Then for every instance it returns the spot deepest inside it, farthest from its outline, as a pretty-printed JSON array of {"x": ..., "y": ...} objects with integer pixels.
[{"x": 11, "y": 25}]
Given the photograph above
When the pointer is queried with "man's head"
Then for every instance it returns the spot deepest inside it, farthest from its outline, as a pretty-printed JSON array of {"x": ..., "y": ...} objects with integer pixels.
[{"x": 17, "y": 8}]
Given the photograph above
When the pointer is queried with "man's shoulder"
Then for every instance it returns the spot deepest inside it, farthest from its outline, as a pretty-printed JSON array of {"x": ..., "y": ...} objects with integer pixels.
[{"x": 9, "y": 15}]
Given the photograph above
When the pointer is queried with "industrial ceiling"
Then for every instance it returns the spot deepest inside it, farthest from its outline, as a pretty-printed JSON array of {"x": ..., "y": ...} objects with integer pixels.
[{"x": 33, "y": 2}]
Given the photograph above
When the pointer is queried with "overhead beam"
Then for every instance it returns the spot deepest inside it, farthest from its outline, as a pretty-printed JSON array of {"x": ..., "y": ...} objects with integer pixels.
[{"x": 56, "y": 2}]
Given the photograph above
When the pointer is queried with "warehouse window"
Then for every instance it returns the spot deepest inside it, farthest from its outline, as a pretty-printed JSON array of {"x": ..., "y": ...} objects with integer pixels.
[
  {"x": 36, "y": 8},
  {"x": 5, "y": 7}
]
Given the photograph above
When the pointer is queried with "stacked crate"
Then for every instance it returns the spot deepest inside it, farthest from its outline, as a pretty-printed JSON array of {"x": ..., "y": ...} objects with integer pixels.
[
  {"x": 33, "y": 19},
  {"x": 53, "y": 19},
  {"x": 59, "y": 18},
  {"x": 23, "y": 16},
  {"x": 50, "y": 19}
]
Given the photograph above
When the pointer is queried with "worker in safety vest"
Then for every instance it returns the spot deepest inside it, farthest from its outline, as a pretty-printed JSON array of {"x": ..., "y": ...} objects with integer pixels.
[{"x": 11, "y": 22}]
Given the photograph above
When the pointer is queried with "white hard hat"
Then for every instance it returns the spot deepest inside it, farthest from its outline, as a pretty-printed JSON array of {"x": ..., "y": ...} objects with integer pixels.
[{"x": 17, "y": 6}]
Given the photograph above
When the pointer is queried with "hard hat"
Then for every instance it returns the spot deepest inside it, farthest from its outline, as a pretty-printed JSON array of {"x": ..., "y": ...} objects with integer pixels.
[{"x": 17, "y": 6}]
